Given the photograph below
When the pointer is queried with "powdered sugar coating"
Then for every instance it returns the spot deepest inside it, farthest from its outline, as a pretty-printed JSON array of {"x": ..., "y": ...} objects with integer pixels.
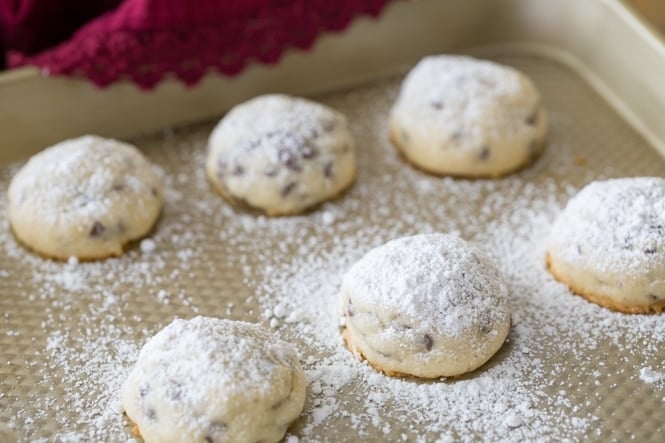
[
  {"x": 426, "y": 305},
  {"x": 281, "y": 154},
  {"x": 212, "y": 380},
  {"x": 609, "y": 242},
  {"x": 462, "y": 116},
  {"x": 85, "y": 197}
]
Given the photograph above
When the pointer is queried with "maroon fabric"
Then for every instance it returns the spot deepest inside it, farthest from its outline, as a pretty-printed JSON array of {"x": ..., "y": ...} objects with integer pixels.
[
  {"x": 30, "y": 26},
  {"x": 144, "y": 40}
]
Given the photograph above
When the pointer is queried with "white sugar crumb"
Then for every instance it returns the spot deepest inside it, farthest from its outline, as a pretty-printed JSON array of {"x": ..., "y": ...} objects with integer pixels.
[
  {"x": 514, "y": 420},
  {"x": 73, "y": 261},
  {"x": 147, "y": 245},
  {"x": 163, "y": 296},
  {"x": 88, "y": 322},
  {"x": 328, "y": 218},
  {"x": 648, "y": 375}
]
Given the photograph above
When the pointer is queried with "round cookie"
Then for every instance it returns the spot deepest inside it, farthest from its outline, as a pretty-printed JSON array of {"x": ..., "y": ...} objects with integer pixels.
[
  {"x": 211, "y": 380},
  {"x": 86, "y": 197},
  {"x": 427, "y": 306},
  {"x": 281, "y": 154},
  {"x": 465, "y": 117},
  {"x": 608, "y": 244}
]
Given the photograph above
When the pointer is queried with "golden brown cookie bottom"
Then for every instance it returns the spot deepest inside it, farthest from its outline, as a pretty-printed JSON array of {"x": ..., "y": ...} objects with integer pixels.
[{"x": 604, "y": 300}]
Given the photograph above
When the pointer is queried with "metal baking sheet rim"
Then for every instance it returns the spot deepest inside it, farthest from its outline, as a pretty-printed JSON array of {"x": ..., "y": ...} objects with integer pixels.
[{"x": 626, "y": 67}]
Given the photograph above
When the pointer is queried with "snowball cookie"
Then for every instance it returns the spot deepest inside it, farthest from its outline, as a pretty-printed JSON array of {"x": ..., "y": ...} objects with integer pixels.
[
  {"x": 86, "y": 197},
  {"x": 465, "y": 117},
  {"x": 211, "y": 380},
  {"x": 428, "y": 306},
  {"x": 608, "y": 244},
  {"x": 281, "y": 154}
]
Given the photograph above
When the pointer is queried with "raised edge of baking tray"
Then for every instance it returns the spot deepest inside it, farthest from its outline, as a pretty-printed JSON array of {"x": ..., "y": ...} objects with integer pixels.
[{"x": 604, "y": 40}]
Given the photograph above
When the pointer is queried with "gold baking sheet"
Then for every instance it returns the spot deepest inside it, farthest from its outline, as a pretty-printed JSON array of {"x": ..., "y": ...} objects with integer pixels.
[{"x": 570, "y": 370}]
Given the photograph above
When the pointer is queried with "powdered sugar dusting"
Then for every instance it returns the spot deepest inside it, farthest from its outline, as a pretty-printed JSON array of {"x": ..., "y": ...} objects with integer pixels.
[
  {"x": 48, "y": 183},
  {"x": 570, "y": 369},
  {"x": 617, "y": 225},
  {"x": 470, "y": 98},
  {"x": 200, "y": 376},
  {"x": 436, "y": 279}
]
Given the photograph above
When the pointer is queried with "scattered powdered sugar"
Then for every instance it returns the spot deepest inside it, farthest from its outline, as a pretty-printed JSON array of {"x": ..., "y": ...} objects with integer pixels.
[
  {"x": 72, "y": 331},
  {"x": 648, "y": 375}
]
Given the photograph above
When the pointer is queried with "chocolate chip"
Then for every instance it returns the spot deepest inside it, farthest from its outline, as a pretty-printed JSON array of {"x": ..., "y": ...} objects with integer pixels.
[
  {"x": 653, "y": 297},
  {"x": 627, "y": 244},
  {"x": 84, "y": 200},
  {"x": 175, "y": 390},
  {"x": 289, "y": 159},
  {"x": 532, "y": 119},
  {"x": 208, "y": 439},
  {"x": 308, "y": 152},
  {"x": 288, "y": 188},
  {"x": 349, "y": 311},
  {"x": 484, "y": 153},
  {"x": 97, "y": 229},
  {"x": 328, "y": 125},
  {"x": 143, "y": 390},
  {"x": 649, "y": 251},
  {"x": 238, "y": 170},
  {"x": 118, "y": 187},
  {"x": 656, "y": 227},
  {"x": 485, "y": 324},
  {"x": 154, "y": 191},
  {"x": 151, "y": 414},
  {"x": 437, "y": 104},
  {"x": 428, "y": 342},
  {"x": 313, "y": 134},
  {"x": 328, "y": 169}
]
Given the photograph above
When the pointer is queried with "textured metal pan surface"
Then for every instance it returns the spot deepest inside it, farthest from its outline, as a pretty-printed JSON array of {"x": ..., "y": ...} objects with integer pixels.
[{"x": 70, "y": 332}]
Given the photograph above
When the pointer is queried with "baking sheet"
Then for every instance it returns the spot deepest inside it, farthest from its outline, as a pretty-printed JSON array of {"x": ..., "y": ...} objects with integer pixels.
[{"x": 69, "y": 333}]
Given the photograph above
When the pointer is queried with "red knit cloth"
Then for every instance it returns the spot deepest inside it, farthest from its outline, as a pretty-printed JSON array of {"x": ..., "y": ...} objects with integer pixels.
[{"x": 144, "y": 40}]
